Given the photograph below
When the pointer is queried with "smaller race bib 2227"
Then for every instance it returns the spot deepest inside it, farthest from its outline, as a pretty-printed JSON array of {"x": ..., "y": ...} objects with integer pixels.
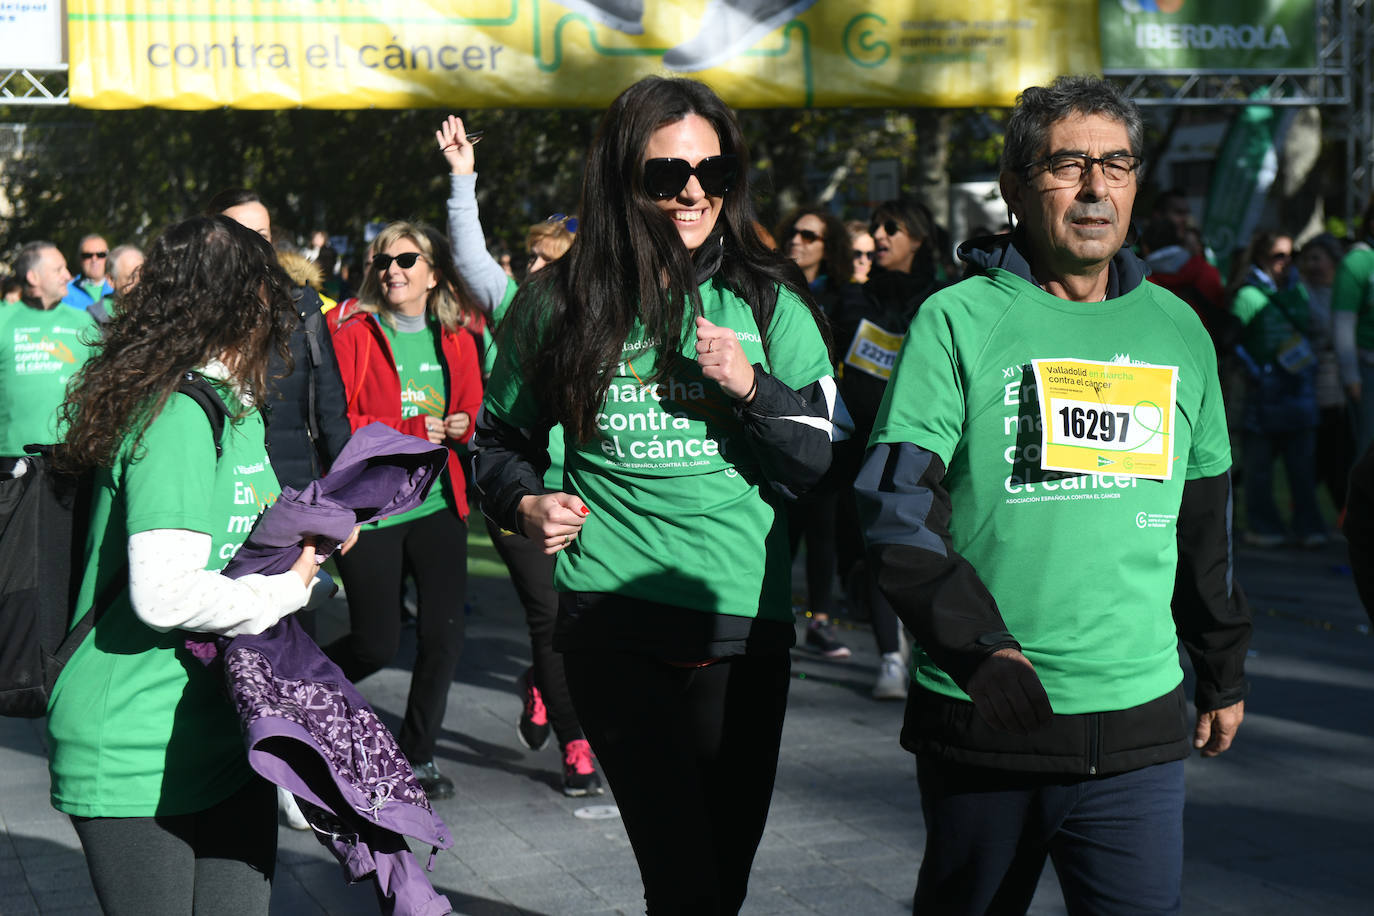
[
  {"x": 1107, "y": 418},
  {"x": 873, "y": 350}
]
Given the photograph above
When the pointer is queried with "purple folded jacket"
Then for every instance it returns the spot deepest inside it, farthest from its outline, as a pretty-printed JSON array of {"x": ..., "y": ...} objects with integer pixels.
[{"x": 305, "y": 725}]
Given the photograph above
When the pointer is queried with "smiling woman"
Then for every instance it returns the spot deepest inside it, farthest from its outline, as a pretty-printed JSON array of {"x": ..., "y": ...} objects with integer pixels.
[
  {"x": 408, "y": 354},
  {"x": 684, "y": 361}
]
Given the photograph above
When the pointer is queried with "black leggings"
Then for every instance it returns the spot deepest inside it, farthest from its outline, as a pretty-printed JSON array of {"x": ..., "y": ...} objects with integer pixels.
[
  {"x": 531, "y": 572},
  {"x": 434, "y": 549},
  {"x": 220, "y": 860},
  {"x": 691, "y": 754}
]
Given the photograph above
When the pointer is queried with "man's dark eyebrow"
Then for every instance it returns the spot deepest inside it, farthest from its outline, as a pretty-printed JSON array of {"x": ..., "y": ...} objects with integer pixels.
[{"x": 1078, "y": 152}]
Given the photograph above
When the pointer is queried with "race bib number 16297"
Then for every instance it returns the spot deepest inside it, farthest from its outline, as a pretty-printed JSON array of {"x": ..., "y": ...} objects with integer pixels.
[{"x": 1107, "y": 418}]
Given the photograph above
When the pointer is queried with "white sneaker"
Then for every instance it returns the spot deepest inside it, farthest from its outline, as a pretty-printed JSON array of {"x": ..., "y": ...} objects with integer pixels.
[
  {"x": 892, "y": 678},
  {"x": 290, "y": 811}
]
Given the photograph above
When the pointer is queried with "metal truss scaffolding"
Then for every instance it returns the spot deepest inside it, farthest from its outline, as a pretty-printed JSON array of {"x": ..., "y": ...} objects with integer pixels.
[
  {"x": 1342, "y": 85},
  {"x": 33, "y": 87}
]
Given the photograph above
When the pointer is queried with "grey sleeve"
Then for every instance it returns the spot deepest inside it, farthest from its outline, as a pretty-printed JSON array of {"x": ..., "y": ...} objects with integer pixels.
[
  {"x": 905, "y": 513},
  {"x": 483, "y": 275}
]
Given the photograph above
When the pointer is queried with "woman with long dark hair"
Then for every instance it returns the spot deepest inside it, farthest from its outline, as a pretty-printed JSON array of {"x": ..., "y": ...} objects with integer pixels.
[
  {"x": 686, "y": 366},
  {"x": 871, "y": 329},
  {"x": 408, "y": 355},
  {"x": 145, "y": 749}
]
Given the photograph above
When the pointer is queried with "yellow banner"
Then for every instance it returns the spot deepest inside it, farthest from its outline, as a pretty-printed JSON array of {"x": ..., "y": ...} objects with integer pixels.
[
  {"x": 568, "y": 53},
  {"x": 1107, "y": 418}
]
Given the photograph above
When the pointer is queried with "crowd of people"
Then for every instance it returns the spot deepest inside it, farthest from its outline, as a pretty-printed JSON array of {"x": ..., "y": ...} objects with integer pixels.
[{"x": 1021, "y": 477}]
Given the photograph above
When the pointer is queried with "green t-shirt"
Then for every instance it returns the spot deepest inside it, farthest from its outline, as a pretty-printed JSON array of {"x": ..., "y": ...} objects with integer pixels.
[
  {"x": 1271, "y": 320},
  {"x": 680, "y": 511},
  {"x": 1353, "y": 291},
  {"x": 420, "y": 365},
  {"x": 1081, "y": 565},
  {"x": 39, "y": 352},
  {"x": 136, "y": 726}
]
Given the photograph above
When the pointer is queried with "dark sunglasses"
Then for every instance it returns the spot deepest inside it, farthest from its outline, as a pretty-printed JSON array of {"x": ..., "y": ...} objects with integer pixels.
[
  {"x": 862, "y": 255},
  {"x": 87, "y": 255},
  {"x": 806, "y": 235},
  {"x": 664, "y": 178},
  {"x": 569, "y": 222},
  {"x": 891, "y": 227},
  {"x": 405, "y": 261}
]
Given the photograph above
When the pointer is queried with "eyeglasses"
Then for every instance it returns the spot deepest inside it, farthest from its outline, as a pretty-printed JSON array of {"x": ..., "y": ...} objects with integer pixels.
[
  {"x": 891, "y": 227},
  {"x": 664, "y": 178},
  {"x": 1068, "y": 169},
  {"x": 569, "y": 222},
  {"x": 807, "y": 235},
  {"x": 1281, "y": 256},
  {"x": 863, "y": 255},
  {"x": 98, "y": 255},
  {"x": 404, "y": 261}
]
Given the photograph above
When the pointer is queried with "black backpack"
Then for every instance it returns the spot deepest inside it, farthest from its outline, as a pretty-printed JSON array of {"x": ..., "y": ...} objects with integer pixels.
[{"x": 44, "y": 520}]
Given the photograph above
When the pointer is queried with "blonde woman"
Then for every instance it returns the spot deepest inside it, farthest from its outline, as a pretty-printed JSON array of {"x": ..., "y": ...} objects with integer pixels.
[{"x": 408, "y": 355}]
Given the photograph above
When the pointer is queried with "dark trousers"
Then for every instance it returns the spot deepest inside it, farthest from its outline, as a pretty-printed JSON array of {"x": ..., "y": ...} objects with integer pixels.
[
  {"x": 531, "y": 572},
  {"x": 433, "y": 549},
  {"x": 691, "y": 754},
  {"x": 1116, "y": 841},
  {"x": 220, "y": 860},
  {"x": 1297, "y": 448},
  {"x": 813, "y": 520}
]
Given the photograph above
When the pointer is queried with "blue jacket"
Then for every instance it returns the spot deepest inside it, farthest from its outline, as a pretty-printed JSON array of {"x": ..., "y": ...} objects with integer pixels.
[{"x": 78, "y": 298}]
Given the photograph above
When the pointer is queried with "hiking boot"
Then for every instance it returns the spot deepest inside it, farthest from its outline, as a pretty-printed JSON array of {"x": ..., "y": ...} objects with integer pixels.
[
  {"x": 892, "y": 677},
  {"x": 579, "y": 770},
  {"x": 437, "y": 786},
  {"x": 820, "y": 636},
  {"x": 533, "y": 727}
]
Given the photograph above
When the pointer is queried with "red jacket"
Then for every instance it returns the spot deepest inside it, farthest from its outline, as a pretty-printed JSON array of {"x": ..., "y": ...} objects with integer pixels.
[{"x": 373, "y": 385}]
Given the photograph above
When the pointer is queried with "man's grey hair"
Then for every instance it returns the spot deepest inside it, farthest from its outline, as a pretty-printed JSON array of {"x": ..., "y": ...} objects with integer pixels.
[
  {"x": 1038, "y": 108},
  {"x": 112, "y": 265},
  {"x": 28, "y": 259}
]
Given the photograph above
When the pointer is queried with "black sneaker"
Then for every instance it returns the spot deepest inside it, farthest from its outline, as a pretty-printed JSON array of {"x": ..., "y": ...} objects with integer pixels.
[
  {"x": 579, "y": 770},
  {"x": 436, "y": 785},
  {"x": 533, "y": 727},
  {"x": 820, "y": 635}
]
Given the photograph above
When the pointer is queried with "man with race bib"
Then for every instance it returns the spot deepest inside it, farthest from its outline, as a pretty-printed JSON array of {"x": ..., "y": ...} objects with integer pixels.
[{"x": 1050, "y": 452}]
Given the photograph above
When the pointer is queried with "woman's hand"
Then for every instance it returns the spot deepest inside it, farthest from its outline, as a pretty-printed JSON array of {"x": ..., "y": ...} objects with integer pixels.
[
  {"x": 454, "y": 144},
  {"x": 347, "y": 545},
  {"x": 305, "y": 563},
  {"x": 456, "y": 425},
  {"x": 723, "y": 361},
  {"x": 553, "y": 519},
  {"x": 434, "y": 430}
]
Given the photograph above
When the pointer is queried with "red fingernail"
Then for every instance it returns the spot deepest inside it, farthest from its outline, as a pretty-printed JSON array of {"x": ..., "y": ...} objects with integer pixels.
[{"x": 585, "y": 511}]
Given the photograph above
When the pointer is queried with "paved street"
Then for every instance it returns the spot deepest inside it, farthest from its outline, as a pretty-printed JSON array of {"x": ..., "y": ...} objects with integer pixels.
[{"x": 1281, "y": 824}]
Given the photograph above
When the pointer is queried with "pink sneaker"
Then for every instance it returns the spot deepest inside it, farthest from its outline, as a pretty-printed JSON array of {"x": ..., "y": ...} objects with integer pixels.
[
  {"x": 533, "y": 727},
  {"x": 579, "y": 770}
]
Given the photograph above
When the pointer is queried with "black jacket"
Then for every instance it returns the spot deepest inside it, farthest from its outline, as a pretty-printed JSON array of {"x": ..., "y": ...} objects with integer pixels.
[
  {"x": 890, "y": 299},
  {"x": 306, "y": 411},
  {"x": 906, "y": 512}
]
